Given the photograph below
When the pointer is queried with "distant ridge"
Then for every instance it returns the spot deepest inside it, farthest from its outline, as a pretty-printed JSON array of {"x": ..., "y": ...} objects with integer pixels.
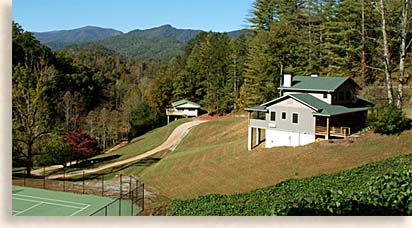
[
  {"x": 158, "y": 44},
  {"x": 61, "y": 38},
  {"x": 167, "y": 32}
]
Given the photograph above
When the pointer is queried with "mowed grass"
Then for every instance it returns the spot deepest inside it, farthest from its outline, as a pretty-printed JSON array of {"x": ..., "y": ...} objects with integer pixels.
[
  {"x": 137, "y": 146},
  {"x": 213, "y": 158}
]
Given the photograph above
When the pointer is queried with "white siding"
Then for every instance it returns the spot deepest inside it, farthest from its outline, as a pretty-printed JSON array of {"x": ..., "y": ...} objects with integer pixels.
[
  {"x": 184, "y": 112},
  {"x": 317, "y": 95},
  {"x": 328, "y": 99},
  {"x": 186, "y": 105},
  {"x": 275, "y": 138},
  {"x": 306, "y": 121}
]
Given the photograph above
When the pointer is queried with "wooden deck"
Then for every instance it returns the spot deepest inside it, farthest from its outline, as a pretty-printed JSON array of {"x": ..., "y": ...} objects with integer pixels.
[{"x": 342, "y": 132}]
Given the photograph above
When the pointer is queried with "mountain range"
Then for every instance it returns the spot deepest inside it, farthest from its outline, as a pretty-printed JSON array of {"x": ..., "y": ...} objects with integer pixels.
[
  {"x": 149, "y": 44},
  {"x": 61, "y": 38}
]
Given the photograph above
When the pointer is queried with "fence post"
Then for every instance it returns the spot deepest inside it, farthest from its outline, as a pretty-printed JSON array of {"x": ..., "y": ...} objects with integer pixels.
[
  {"x": 131, "y": 213},
  {"x": 102, "y": 185},
  {"x": 64, "y": 179},
  {"x": 24, "y": 178},
  {"x": 44, "y": 177},
  {"x": 120, "y": 198},
  {"x": 83, "y": 181},
  {"x": 130, "y": 185},
  {"x": 121, "y": 186},
  {"x": 142, "y": 196}
]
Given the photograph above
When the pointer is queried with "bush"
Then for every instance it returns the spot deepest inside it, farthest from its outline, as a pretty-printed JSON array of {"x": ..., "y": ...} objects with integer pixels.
[
  {"x": 390, "y": 121},
  {"x": 53, "y": 151}
]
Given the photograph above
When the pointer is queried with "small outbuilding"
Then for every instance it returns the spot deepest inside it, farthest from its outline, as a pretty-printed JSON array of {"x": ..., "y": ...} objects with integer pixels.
[{"x": 182, "y": 109}]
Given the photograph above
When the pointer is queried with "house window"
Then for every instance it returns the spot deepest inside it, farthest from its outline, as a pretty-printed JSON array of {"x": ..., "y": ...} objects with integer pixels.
[
  {"x": 295, "y": 118},
  {"x": 272, "y": 116},
  {"x": 283, "y": 115},
  {"x": 325, "y": 95}
]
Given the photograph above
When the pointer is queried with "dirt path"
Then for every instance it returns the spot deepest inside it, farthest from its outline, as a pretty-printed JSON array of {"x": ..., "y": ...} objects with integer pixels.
[{"x": 170, "y": 144}]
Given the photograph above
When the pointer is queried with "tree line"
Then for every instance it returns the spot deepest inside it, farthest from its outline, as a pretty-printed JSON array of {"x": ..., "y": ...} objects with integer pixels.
[{"x": 363, "y": 39}]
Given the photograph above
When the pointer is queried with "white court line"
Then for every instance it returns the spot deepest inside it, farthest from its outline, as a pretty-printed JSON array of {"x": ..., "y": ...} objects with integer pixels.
[
  {"x": 28, "y": 208},
  {"x": 79, "y": 210},
  {"x": 35, "y": 197},
  {"x": 56, "y": 204}
]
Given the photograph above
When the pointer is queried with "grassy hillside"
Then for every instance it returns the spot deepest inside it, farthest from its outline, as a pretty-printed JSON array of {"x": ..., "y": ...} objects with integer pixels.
[
  {"x": 213, "y": 159},
  {"x": 137, "y": 146},
  {"x": 379, "y": 188}
]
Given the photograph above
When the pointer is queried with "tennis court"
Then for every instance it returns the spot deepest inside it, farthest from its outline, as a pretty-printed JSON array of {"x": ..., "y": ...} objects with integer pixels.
[{"x": 39, "y": 202}]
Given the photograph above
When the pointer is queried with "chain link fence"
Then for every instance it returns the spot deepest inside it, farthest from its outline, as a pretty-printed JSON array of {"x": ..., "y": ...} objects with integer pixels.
[{"x": 127, "y": 191}]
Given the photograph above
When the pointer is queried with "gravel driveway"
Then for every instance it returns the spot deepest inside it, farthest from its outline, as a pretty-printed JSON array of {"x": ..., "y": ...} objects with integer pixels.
[{"x": 170, "y": 144}]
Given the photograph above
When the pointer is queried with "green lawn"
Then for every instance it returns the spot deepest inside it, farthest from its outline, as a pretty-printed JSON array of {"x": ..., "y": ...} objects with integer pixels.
[
  {"x": 213, "y": 158},
  {"x": 144, "y": 143}
]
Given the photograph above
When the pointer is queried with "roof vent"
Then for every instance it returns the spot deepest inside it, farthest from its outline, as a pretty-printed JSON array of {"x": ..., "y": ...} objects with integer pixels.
[
  {"x": 314, "y": 75},
  {"x": 287, "y": 80}
]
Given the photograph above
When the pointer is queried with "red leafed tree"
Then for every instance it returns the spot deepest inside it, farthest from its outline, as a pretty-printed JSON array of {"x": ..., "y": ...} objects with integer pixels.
[{"x": 82, "y": 145}]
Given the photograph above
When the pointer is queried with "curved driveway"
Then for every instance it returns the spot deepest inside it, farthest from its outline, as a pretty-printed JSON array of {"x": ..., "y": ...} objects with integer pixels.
[{"x": 174, "y": 139}]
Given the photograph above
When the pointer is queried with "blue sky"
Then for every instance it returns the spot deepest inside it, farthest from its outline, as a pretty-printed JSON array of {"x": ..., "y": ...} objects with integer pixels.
[{"x": 127, "y": 15}]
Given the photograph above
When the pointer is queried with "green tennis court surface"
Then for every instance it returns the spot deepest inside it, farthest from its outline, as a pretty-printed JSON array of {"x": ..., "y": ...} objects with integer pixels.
[{"x": 39, "y": 202}]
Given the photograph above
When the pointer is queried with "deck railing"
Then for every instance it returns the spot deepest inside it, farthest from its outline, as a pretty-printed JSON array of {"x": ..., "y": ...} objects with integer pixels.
[
  {"x": 256, "y": 123},
  {"x": 333, "y": 131},
  {"x": 172, "y": 112}
]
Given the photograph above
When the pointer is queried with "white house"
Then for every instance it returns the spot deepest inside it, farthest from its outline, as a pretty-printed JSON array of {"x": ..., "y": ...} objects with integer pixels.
[
  {"x": 310, "y": 107},
  {"x": 182, "y": 109}
]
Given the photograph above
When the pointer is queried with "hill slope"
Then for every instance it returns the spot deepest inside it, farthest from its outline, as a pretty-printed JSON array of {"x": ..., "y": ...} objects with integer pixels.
[
  {"x": 379, "y": 188},
  {"x": 220, "y": 163},
  {"x": 59, "y": 39}
]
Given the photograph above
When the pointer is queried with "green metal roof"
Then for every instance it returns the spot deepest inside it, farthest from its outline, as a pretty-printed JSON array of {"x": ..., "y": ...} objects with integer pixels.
[
  {"x": 320, "y": 107},
  {"x": 324, "y": 109},
  {"x": 323, "y": 84},
  {"x": 257, "y": 108},
  {"x": 184, "y": 101}
]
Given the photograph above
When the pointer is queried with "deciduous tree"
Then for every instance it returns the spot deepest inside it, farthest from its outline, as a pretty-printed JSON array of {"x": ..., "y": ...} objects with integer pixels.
[{"x": 82, "y": 145}]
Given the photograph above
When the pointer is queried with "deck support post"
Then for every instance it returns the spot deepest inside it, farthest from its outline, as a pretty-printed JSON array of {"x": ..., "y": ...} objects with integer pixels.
[
  {"x": 327, "y": 129},
  {"x": 249, "y": 138},
  {"x": 257, "y": 136},
  {"x": 168, "y": 119}
]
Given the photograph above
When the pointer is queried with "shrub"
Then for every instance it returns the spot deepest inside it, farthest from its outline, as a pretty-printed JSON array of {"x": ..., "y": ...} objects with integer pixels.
[
  {"x": 53, "y": 151},
  {"x": 390, "y": 121}
]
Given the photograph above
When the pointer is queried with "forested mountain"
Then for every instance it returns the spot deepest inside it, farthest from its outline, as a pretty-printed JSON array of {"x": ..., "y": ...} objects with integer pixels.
[
  {"x": 166, "y": 32},
  {"x": 58, "y": 39},
  {"x": 158, "y": 44}
]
